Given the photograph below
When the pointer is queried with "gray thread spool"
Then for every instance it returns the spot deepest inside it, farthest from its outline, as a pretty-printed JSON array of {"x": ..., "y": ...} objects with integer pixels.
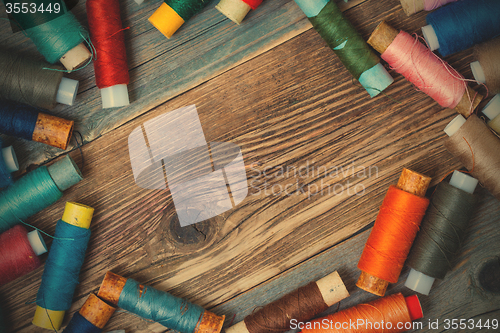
[{"x": 26, "y": 81}]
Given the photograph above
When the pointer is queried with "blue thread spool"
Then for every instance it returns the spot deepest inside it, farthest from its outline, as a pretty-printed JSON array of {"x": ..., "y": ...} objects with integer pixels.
[
  {"x": 92, "y": 317},
  {"x": 63, "y": 265},
  {"x": 36, "y": 191},
  {"x": 461, "y": 25},
  {"x": 27, "y": 122},
  {"x": 8, "y": 165},
  {"x": 149, "y": 303}
]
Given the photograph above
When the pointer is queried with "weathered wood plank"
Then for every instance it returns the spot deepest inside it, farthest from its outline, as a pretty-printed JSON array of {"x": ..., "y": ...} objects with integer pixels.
[
  {"x": 208, "y": 45},
  {"x": 289, "y": 107}
]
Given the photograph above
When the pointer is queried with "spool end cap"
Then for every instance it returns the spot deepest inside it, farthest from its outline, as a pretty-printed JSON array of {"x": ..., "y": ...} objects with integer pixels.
[
  {"x": 375, "y": 80},
  {"x": 75, "y": 57},
  {"x": 454, "y": 125},
  {"x": 65, "y": 173},
  {"x": 115, "y": 96},
  {"x": 419, "y": 282},
  {"x": 492, "y": 109},
  {"x": 78, "y": 215},
  {"x": 235, "y": 10},
  {"x": 430, "y": 37},
  {"x": 48, "y": 319},
  {"x": 66, "y": 94},
  {"x": 414, "y": 307},
  {"x": 166, "y": 20},
  {"x": 139, "y": 2},
  {"x": 10, "y": 158},
  {"x": 37, "y": 243},
  {"x": 463, "y": 182},
  {"x": 477, "y": 71}
]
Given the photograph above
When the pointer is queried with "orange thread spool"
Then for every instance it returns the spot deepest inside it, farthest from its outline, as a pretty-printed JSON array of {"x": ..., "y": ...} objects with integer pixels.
[
  {"x": 391, "y": 314},
  {"x": 393, "y": 234}
]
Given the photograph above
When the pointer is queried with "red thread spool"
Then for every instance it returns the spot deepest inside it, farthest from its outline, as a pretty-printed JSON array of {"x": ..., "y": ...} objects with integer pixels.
[
  {"x": 253, "y": 3},
  {"x": 391, "y": 314},
  {"x": 393, "y": 234},
  {"x": 17, "y": 254},
  {"x": 110, "y": 58}
]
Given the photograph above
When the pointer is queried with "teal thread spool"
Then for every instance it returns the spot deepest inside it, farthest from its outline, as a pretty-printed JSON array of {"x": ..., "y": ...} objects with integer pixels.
[
  {"x": 36, "y": 191},
  {"x": 347, "y": 43},
  {"x": 63, "y": 265},
  {"x": 57, "y": 36},
  {"x": 149, "y": 303}
]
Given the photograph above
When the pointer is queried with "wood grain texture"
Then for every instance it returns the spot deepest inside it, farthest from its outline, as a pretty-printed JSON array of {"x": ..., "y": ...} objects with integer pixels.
[
  {"x": 160, "y": 69},
  {"x": 291, "y": 107}
]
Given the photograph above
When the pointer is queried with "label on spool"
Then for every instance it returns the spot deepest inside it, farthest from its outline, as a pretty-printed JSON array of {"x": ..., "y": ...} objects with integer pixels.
[{"x": 27, "y": 14}]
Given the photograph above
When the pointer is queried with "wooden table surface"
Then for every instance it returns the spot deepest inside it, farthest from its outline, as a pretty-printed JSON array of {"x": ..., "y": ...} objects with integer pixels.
[{"x": 273, "y": 87}]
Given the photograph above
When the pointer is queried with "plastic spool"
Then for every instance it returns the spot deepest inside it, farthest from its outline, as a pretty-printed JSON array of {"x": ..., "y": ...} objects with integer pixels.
[
  {"x": 76, "y": 57},
  {"x": 139, "y": 2},
  {"x": 416, "y": 280},
  {"x": 66, "y": 94},
  {"x": 477, "y": 71},
  {"x": 166, "y": 20},
  {"x": 115, "y": 96},
  {"x": 65, "y": 173},
  {"x": 430, "y": 37},
  {"x": 37, "y": 243},
  {"x": 492, "y": 111},
  {"x": 235, "y": 10},
  {"x": 454, "y": 125},
  {"x": 10, "y": 159}
]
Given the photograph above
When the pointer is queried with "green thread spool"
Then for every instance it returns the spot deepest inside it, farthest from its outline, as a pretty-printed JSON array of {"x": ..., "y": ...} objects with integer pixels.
[
  {"x": 442, "y": 232},
  {"x": 36, "y": 191},
  {"x": 169, "y": 17},
  {"x": 57, "y": 36},
  {"x": 347, "y": 43}
]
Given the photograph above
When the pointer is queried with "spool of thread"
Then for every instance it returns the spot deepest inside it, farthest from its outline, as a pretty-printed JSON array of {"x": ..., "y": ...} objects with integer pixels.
[
  {"x": 32, "y": 82},
  {"x": 8, "y": 165},
  {"x": 477, "y": 149},
  {"x": 110, "y": 64},
  {"x": 487, "y": 67},
  {"x": 443, "y": 230},
  {"x": 301, "y": 305},
  {"x": 462, "y": 24},
  {"x": 392, "y": 235},
  {"x": 92, "y": 317},
  {"x": 236, "y": 10},
  {"x": 62, "y": 268},
  {"x": 57, "y": 36},
  {"x": 36, "y": 191},
  {"x": 347, "y": 43},
  {"x": 19, "y": 251},
  {"x": 424, "y": 69},
  {"x": 159, "y": 306},
  {"x": 492, "y": 111},
  {"x": 27, "y": 122},
  {"x": 169, "y": 17},
  {"x": 411, "y": 7},
  {"x": 391, "y": 314}
]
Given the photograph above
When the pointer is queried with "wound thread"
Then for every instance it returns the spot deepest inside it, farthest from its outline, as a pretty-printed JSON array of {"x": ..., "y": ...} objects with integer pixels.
[
  {"x": 25, "y": 81},
  {"x": 488, "y": 55},
  {"x": 17, "y": 257},
  {"x": 302, "y": 304},
  {"x": 443, "y": 230},
  {"x": 463, "y": 24}
]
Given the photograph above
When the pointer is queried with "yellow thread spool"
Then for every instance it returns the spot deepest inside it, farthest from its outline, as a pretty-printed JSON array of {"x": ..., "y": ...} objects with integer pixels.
[{"x": 166, "y": 20}]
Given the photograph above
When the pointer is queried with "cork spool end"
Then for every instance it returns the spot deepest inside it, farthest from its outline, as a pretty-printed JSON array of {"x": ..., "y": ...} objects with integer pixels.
[
  {"x": 469, "y": 102},
  {"x": 413, "y": 182},
  {"x": 210, "y": 323},
  {"x": 96, "y": 311},
  {"x": 382, "y": 37},
  {"x": 372, "y": 284},
  {"x": 111, "y": 288}
]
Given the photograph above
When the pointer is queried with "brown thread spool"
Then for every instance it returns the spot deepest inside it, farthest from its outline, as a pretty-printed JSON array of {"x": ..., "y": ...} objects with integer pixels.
[
  {"x": 487, "y": 67},
  {"x": 413, "y": 183},
  {"x": 484, "y": 159},
  {"x": 384, "y": 35},
  {"x": 275, "y": 317},
  {"x": 112, "y": 287}
]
